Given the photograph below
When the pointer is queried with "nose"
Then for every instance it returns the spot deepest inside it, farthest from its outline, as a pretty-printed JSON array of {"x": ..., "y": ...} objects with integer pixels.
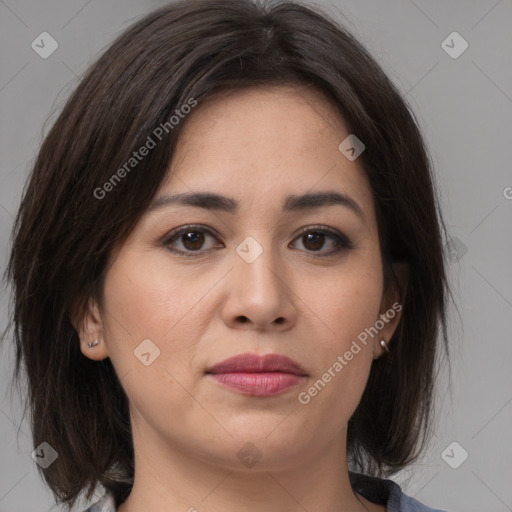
[{"x": 259, "y": 294}]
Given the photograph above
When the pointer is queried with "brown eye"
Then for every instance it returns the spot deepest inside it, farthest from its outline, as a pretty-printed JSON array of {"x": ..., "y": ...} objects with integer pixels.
[
  {"x": 192, "y": 240},
  {"x": 314, "y": 240},
  {"x": 189, "y": 239}
]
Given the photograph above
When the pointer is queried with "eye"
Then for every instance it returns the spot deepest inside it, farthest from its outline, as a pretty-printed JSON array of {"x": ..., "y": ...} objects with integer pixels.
[
  {"x": 190, "y": 239},
  {"x": 314, "y": 239}
]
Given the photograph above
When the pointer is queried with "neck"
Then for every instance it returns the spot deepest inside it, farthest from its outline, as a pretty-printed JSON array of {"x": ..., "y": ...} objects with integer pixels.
[{"x": 171, "y": 478}]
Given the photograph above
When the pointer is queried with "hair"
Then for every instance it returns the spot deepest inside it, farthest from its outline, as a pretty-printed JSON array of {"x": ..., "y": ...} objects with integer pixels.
[{"x": 64, "y": 232}]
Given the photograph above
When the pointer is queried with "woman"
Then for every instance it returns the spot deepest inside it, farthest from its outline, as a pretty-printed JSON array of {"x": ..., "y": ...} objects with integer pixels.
[{"x": 228, "y": 272}]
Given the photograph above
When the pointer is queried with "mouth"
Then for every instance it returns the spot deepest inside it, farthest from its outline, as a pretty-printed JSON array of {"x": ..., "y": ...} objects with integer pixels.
[{"x": 255, "y": 375}]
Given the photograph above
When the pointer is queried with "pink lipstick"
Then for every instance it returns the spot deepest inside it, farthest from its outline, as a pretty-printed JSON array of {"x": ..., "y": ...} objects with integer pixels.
[{"x": 255, "y": 375}]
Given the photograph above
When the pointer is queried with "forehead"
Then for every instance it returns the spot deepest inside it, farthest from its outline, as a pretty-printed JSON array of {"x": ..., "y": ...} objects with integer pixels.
[
  {"x": 261, "y": 143},
  {"x": 259, "y": 114}
]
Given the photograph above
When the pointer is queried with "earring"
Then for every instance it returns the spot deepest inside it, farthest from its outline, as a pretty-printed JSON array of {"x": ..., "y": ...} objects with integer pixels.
[
  {"x": 384, "y": 345},
  {"x": 90, "y": 345}
]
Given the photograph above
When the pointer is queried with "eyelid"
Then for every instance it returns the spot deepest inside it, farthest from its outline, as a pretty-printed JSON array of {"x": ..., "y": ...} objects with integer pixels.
[
  {"x": 323, "y": 229},
  {"x": 343, "y": 242},
  {"x": 166, "y": 239}
]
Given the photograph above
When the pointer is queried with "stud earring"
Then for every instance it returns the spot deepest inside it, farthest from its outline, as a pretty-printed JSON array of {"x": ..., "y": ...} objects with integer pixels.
[
  {"x": 90, "y": 345},
  {"x": 384, "y": 345}
]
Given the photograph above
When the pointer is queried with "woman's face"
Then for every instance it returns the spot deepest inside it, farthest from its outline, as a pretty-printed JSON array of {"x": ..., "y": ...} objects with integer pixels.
[{"x": 260, "y": 272}]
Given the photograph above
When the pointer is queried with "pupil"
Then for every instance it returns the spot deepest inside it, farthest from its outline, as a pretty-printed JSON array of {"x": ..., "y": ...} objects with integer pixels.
[
  {"x": 315, "y": 237},
  {"x": 193, "y": 240}
]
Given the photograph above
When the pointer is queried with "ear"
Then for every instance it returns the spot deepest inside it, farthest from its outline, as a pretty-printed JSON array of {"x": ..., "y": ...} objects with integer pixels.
[
  {"x": 391, "y": 306},
  {"x": 89, "y": 326}
]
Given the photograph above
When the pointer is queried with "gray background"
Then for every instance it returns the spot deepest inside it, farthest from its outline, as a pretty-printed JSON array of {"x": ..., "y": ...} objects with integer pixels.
[{"x": 464, "y": 106}]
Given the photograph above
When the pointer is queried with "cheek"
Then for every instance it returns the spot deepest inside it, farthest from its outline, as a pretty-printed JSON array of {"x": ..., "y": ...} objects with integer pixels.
[
  {"x": 349, "y": 301},
  {"x": 148, "y": 296},
  {"x": 145, "y": 298},
  {"x": 348, "y": 305}
]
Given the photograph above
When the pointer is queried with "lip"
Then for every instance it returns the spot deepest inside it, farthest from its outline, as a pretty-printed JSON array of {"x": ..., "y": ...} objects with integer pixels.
[
  {"x": 254, "y": 363},
  {"x": 252, "y": 374}
]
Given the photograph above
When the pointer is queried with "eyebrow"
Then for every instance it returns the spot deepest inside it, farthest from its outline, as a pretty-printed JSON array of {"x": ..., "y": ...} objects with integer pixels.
[{"x": 292, "y": 203}]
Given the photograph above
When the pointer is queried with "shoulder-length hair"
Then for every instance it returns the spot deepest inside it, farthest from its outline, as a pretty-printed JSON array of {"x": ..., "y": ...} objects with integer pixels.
[{"x": 67, "y": 224}]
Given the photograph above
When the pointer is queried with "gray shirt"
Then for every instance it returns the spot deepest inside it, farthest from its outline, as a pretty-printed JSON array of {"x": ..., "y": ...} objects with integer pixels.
[
  {"x": 376, "y": 490},
  {"x": 386, "y": 492}
]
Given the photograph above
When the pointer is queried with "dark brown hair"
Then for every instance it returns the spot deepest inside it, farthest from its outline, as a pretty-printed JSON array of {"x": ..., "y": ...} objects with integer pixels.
[{"x": 63, "y": 234}]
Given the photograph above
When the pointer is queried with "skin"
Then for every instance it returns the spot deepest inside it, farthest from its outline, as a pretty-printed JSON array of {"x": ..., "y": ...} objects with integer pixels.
[{"x": 256, "y": 146}]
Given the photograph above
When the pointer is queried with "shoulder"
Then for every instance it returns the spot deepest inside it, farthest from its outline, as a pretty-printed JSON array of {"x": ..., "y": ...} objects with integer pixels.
[
  {"x": 400, "y": 502},
  {"x": 376, "y": 490},
  {"x": 387, "y": 492},
  {"x": 105, "y": 504}
]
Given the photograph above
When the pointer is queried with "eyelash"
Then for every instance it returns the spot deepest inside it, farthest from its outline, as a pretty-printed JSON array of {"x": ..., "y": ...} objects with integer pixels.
[{"x": 342, "y": 242}]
